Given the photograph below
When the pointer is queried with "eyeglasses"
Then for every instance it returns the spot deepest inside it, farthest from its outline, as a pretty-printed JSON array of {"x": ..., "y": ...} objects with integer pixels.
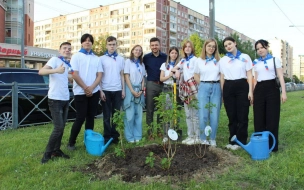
[
  {"x": 213, "y": 47},
  {"x": 111, "y": 44}
]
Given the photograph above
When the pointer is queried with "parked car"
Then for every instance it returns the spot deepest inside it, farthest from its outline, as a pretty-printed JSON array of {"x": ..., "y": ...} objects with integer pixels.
[{"x": 32, "y": 100}]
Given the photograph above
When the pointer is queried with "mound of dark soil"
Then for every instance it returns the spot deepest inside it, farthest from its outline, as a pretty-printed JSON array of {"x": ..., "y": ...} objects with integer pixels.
[{"x": 188, "y": 163}]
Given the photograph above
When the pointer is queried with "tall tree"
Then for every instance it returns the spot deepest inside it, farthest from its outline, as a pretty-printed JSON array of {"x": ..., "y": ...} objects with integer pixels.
[
  {"x": 99, "y": 46},
  {"x": 197, "y": 42}
]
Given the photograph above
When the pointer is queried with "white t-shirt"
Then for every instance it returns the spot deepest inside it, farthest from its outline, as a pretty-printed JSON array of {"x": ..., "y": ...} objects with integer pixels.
[
  {"x": 111, "y": 79},
  {"x": 235, "y": 69},
  {"x": 163, "y": 67},
  {"x": 188, "y": 72},
  {"x": 58, "y": 83},
  {"x": 263, "y": 73},
  {"x": 136, "y": 74},
  {"x": 87, "y": 66},
  {"x": 209, "y": 71}
]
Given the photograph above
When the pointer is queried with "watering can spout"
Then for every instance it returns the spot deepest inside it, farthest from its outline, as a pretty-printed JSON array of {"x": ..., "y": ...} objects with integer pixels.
[
  {"x": 247, "y": 147},
  {"x": 103, "y": 148}
]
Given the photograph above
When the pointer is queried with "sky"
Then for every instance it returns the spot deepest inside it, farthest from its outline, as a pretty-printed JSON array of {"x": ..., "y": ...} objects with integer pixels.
[{"x": 257, "y": 19}]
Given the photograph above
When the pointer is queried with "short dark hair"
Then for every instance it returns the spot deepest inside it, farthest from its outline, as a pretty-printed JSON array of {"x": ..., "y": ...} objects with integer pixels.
[
  {"x": 111, "y": 38},
  {"x": 264, "y": 43},
  {"x": 85, "y": 37},
  {"x": 154, "y": 39},
  {"x": 64, "y": 43},
  {"x": 229, "y": 38}
]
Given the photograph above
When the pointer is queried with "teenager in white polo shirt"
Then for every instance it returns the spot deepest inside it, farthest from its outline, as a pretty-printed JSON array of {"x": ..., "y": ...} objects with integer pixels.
[
  {"x": 113, "y": 87},
  {"x": 134, "y": 101},
  {"x": 58, "y": 99},
  {"x": 236, "y": 84},
  {"x": 187, "y": 65},
  {"x": 207, "y": 74},
  {"x": 166, "y": 76},
  {"x": 266, "y": 107},
  {"x": 87, "y": 76}
]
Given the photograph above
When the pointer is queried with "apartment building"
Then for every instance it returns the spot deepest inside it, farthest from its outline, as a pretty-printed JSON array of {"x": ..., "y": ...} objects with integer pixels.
[
  {"x": 132, "y": 22},
  {"x": 284, "y": 51},
  {"x": 301, "y": 67},
  {"x": 13, "y": 21},
  {"x": 2, "y": 20}
]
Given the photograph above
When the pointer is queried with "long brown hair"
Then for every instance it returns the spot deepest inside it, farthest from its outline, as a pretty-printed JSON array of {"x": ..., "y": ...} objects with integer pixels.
[
  {"x": 215, "y": 53},
  {"x": 140, "y": 57},
  {"x": 192, "y": 48},
  {"x": 168, "y": 58}
]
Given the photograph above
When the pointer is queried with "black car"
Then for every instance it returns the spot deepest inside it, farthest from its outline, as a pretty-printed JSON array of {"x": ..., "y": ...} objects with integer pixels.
[{"x": 32, "y": 99}]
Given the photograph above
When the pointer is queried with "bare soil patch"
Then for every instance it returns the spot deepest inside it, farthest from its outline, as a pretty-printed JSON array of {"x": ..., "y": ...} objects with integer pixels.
[{"x": 186, "y": 165}]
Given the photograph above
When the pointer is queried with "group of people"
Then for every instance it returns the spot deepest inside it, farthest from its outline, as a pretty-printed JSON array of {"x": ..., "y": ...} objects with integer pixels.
[{"x": 207, "y": 80}]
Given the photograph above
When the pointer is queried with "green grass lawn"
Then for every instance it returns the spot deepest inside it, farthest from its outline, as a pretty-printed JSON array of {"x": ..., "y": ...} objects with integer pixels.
[{"x": 22, "y": 149}]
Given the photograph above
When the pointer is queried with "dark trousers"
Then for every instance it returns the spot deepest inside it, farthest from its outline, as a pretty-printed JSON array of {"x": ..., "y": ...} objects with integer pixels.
[
  {"x": 113, "y": 102},
  {"x": 266, "y": 109},
  {"x": 59, "y": 111},
  {"x": 153, "y": 90},
  {"x": 86, "y": 109},
  {"x": 235, "y": 95}
]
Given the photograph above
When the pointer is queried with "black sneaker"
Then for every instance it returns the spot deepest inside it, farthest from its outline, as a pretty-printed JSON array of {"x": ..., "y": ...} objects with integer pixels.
[
  {"x": 59, "y": 153},
  {"x": 71, "y": 147},
  {"x": 46, "y": 157}
]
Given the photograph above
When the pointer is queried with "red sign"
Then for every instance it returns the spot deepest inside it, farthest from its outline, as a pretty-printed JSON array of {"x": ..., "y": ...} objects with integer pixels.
[{"x": 10, "y": 51}]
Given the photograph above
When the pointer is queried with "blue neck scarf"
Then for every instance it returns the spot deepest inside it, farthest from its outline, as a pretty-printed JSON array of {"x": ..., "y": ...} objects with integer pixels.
[
  {"x": 85, "y": 52},
  {"x": 113, "y": 55},
  {"x": 137, "y": 61},
  {"x": 187, "y": 59},
  {"x": 237, "y": 56},
  {"x": 268, "y": 56},
  {"x": 210, "y": 59},
  {"x": 172, "y": 63},
  {"x": 66, "y": 62}
]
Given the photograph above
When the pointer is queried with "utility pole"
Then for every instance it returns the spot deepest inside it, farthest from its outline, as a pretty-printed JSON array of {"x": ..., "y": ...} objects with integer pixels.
[
  {"x": 211, "y": 19},
  {"x": 22, "y": 35}
]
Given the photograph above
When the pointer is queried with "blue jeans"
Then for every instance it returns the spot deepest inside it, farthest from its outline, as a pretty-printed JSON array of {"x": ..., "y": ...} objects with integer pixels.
[
  {"x": 59, "y": 110},
  {"x": 209, "y": 93}
]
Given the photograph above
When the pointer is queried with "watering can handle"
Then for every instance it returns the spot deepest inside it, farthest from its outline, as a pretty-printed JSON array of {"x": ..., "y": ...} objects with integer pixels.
[{"x": 273, "y": 142}]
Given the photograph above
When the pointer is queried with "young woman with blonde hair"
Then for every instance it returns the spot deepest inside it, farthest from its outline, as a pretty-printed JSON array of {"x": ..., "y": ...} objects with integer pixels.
[{"x": 207, "y": 75}]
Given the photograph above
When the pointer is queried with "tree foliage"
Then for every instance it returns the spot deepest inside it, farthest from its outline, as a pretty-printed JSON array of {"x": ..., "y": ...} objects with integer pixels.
[
  {"x": 295, "y": 79},
  {"x": 99, "y": 46},
  {"x": 197, "y": 42}
]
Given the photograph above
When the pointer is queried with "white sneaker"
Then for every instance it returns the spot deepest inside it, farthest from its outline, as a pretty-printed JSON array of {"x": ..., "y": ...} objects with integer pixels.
[
  {"x": 235, "y": 147},
  {"x": 229, "y": 146},
  {"x": 131, "y": 141},
  {"x": 137, "y": 140},
  {"x": 186, "y": 140},
  {"x": 194, "y": 141},
  {"x": 205, "y": 142},
  {"x": 212, "y": 142},
  {"x": 165, "y": 139}
]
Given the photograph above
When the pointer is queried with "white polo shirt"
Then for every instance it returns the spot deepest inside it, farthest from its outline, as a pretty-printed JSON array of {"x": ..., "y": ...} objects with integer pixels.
[
  {"x": 163, "y": 67},
  {"x": 187, "y": 72},
  {"x": 111, "y": 79},
  {"x": 209, "y": 71},
  {"x": 87, "y": 66},
  {"x": 263, "y": 73},
  {"x": 136, "y": 74},
  {"x": 58, "y": 83},
  {"x": 235, "y": 69}
]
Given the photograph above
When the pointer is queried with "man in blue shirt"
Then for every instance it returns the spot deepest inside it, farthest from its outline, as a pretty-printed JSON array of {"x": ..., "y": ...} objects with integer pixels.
[{"x": 153, "y": 62}]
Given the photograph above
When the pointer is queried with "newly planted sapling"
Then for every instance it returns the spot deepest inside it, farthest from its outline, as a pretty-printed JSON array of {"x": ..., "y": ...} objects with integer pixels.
[
  {"x": 150, "y": 159},
  {"x": 118, "y": 120}
]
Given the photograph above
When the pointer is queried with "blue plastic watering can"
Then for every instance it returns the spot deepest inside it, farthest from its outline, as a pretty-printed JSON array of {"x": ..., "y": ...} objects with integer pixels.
[
  {"x": 258, "y": 147},
  {"x": 94, "y": 143}
]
